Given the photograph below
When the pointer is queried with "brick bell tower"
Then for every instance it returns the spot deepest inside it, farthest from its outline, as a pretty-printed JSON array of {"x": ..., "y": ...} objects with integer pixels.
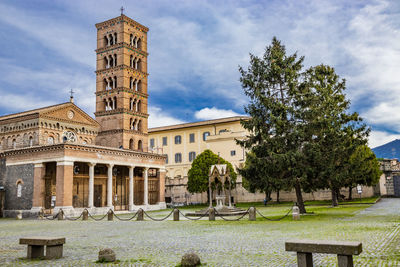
[{"x": 121, "y": 84}]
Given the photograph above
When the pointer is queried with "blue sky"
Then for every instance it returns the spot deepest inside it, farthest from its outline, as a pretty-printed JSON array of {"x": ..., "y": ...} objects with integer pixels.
[{"x": 47, "y": 48}]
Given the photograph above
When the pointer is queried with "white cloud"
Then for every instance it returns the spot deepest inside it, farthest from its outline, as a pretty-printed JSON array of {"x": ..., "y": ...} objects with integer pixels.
[
  {"x": 20, "y": 103},
  {"x": 158, "y": 117},
  {"x": 378, "y": 138},
  {"x": 214, "y": 113}
]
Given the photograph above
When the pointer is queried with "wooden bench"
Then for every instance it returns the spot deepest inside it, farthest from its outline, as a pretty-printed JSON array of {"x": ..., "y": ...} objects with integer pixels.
[
  {"x": 305, "y": 248},
  {"x": 54, "y": 247}
]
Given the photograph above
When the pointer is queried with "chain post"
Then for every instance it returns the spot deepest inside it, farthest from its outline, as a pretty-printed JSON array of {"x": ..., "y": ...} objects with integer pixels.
[
  {"x": 252, "y": 214},
  {"x": 140, "y": 215},
  {"x": 60, "y": 215},
  {"x": 211, "y": 214},
  {"x": 176, "y": 214},
  {"x": 110, "y": 215},
  {"x": 85, "y": 215}
]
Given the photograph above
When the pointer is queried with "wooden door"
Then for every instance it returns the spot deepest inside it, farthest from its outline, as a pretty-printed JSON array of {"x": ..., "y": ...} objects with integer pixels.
[{"x": 98, "y": 193}]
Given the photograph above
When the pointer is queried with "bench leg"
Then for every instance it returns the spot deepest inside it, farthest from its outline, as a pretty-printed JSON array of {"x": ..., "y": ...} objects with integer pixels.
[
  {"x": 345, "y": 260},
  {"x": 304, "y": 259},
  {"x": 54, "y": 252},
  {"x": 35, "y": 252}
]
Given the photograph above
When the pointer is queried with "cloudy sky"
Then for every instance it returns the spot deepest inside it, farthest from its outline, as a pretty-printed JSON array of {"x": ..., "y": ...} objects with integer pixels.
[{"x": 47, "y": 48}]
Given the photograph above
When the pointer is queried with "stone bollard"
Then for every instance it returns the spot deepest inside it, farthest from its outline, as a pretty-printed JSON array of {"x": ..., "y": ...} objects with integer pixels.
[
  {"x": 176, "y": 215},
  {"x": 140, "y": 215},
  {"x": 110, "y": 215},
  {"x": 296, "y": 213},
  {"x": 252, "y": 214},
  {"x": 60, "y": 215},
  {"x": 41, "y": 214},
  {"x": 190, "y": 259},
  {"x": 106, "y": 255},
  {"x": 19, "y": 215},
  {"x": 85, "y": 215},
  {"x": 211, "y": 214}
]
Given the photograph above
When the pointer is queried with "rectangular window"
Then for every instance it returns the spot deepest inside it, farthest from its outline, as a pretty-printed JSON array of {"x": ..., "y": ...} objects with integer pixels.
[
  {"x": 205, "y": 134},
  {"x": 151, "y": 142},
  {"x": 192, "y": 156},
  {"x": 178, "y": 158},
  {"x": 233, "y": 153},
  {"x": 164, "y": 141},
  {"x": 191, "y": 138},
  {"x": 178, "y": 140}
]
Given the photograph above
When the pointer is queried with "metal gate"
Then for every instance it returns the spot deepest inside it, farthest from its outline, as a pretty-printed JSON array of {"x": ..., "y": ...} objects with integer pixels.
[{"x": 396, "y": 185}]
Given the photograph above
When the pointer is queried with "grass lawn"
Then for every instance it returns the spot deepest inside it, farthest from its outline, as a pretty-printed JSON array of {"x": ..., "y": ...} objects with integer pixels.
[{"x": 219, "y": 243}]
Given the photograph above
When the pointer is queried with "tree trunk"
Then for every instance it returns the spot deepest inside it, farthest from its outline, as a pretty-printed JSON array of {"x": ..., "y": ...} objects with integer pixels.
[
  {"x": 350, "y": 193},
  {"x": 277, "y": 196},
  {"x": 334, "y": 197},
  {"x": 300, "y": 202},
  {"x": 338, "y": 195}
]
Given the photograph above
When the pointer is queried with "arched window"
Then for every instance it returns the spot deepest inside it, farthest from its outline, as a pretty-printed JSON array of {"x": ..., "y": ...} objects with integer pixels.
[
  {"x": 205, "y": 134},
  {"x": 131, "y": 61},
  {"x": 115, "y": 102},
  {"x": 131, "y": 144},
  {"x": 178, "y": 139},
  {"x": 106, "y": 42},
  {"x": 139, "y": 126},
  {"x": 140, "y": 145},
  {"x": 139, "y": 106},
  {"x": 139, "y": 44},
  {"x": 192, "y": 156},
  {"x": 178, "y": 158},
  {"x": 139, "y": 86},
  {"x": 115, "y": 60},
  {"x": 110, "y": 61},
  {"x": 30, "y": 141},
  {"x": 14, "y": 144},
  {"x": 115, "y": 38},
  {"x": 50, "y": 140},
  {"x": 115, "y": 82},
  {"x": 19, "y": 189},
  {"x": 131, "y": 39},
  {"x": 131, "y": 82}
]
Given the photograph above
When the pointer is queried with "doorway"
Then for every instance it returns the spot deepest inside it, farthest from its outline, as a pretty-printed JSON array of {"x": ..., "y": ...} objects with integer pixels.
[{"x": 98, "y": 193}]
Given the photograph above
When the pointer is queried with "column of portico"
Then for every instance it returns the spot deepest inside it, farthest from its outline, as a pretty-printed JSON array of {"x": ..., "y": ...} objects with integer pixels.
[
  {"x": 91, "y": 184},
  {"x": 38, "y": 186},
  {"x": 131, "y": 168},
  {"x": 64, "y": 184},
  {"x": 109, "y": 185},
  {"x": 146, "y": 186},
  {"x": 161, "y": 188}
]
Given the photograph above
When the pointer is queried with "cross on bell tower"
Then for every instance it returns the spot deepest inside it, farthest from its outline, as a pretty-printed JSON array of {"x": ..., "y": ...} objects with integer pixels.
[{"x": 121, "y": 83}]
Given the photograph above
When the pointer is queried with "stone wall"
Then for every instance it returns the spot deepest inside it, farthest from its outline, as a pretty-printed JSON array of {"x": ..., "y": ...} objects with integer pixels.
[
  {"x": 19, "y": 173},
  {"x": 3, "y": 171}
]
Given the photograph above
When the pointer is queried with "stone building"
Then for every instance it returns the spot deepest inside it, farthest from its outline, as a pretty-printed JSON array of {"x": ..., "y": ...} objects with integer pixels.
[
  {"x": 60, "y": 157},
  {"x": 183, "y": 142},
  {"x": 389, "y": 182}
]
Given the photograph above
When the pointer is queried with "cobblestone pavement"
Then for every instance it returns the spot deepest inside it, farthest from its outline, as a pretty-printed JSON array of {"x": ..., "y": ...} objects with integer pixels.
[{"x": 219, "y": 243}]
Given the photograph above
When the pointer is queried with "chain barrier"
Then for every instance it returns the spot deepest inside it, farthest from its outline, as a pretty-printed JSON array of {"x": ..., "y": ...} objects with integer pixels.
[
  {"x": 91, "y": 216},
  {"x": 125, "y": 219},
  {"x": 206, "y": 213},
  {"x": 195, "y": 219},
  {"x": 53, "y": 217},
  {"x": 158, "y": 220},
  {"x": 280, "y": 218},
  {"x": 73, "y": 219},
  {"x": 236, "y": 219}
]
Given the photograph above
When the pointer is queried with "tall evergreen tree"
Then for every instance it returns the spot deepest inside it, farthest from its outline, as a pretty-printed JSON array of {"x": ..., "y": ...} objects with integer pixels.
[
  {"x": 272, "y": 84},
  {"x": 331, "y": 134}
]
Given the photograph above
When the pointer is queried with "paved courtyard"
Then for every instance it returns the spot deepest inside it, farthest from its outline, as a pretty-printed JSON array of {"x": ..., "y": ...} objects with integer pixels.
[{"x": 219, "y": 243}]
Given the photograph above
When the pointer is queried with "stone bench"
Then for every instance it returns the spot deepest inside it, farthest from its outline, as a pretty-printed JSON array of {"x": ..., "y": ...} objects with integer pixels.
[
  {"x": 54, "y": 247},
  {"x": 305, "y": 248}
]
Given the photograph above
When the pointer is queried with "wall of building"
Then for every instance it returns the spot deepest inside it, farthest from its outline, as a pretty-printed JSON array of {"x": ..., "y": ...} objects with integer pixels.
[{"x": 19, "y": 174}]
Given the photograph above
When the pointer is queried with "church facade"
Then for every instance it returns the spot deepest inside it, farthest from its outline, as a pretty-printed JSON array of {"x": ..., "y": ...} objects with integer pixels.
[{"x": 59, "y": 157}]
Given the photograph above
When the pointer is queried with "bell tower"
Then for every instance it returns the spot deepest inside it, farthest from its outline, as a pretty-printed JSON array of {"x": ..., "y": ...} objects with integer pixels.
[{"x": 121, "y": 83}]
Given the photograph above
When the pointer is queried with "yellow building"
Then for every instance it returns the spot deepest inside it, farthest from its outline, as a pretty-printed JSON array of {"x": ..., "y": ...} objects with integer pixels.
[{"x": 183, "y": 142}]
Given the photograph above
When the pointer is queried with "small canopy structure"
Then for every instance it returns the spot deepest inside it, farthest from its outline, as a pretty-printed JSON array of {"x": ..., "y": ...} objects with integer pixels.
[{"x": 219, "y": 173}]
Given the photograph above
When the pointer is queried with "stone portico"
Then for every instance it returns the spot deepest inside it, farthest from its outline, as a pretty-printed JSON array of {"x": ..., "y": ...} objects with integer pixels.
[{"x": 73, "y": 177}]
